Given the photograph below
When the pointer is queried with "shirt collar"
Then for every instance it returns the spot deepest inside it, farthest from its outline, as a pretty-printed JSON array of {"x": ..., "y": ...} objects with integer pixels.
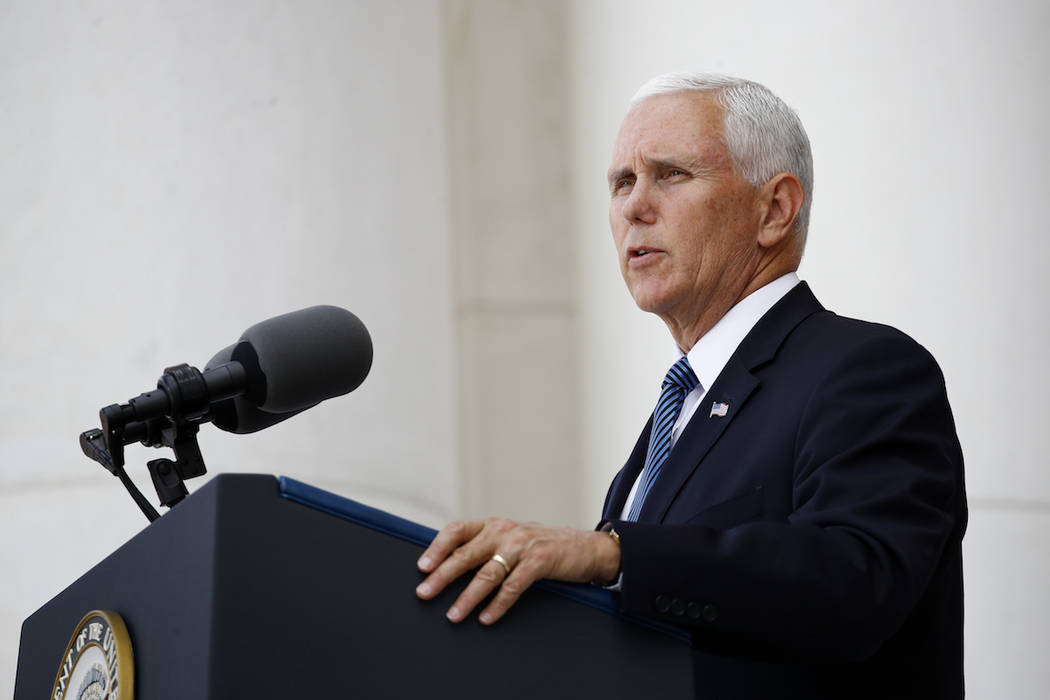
[{"x": 713, "y": 350}]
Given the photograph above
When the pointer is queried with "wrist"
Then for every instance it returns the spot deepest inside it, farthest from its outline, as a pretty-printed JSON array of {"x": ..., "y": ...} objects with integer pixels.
[{"x": 607, "y": 569}]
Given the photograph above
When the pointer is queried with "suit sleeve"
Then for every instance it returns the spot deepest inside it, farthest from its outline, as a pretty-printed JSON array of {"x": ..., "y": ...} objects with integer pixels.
[{"x": 876, "y": 499}]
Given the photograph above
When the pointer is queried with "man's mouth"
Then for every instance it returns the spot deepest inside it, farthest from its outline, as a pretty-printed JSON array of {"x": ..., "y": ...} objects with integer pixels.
[{"x": 640, "y": 252}]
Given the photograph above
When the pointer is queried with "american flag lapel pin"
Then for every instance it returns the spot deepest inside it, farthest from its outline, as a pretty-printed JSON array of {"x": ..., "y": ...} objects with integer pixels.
[{"x": 719, "y": 409}]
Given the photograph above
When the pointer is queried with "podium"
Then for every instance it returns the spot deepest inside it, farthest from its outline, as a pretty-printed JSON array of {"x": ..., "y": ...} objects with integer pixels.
[{"x": 258, "y": 587}]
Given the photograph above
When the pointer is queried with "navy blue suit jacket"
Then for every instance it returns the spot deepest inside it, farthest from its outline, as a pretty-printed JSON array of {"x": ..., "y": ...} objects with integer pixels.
[{"x": 811, "y": 537}]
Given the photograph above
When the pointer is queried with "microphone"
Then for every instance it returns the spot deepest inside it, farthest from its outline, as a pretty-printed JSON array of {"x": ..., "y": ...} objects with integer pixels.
[
  {"x": 238, "y": 414},
  {"x": 291, "y": 363},
  {"x": 277, "y": 369},
  {"x": 299, "y": 359}
]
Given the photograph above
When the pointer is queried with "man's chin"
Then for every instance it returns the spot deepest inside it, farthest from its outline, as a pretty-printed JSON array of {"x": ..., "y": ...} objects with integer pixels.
[{"x": 653, "y": 303}]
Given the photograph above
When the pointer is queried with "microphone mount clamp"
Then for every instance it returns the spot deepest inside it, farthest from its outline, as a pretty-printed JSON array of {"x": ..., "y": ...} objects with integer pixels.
[{"x": 169, "y": 416}]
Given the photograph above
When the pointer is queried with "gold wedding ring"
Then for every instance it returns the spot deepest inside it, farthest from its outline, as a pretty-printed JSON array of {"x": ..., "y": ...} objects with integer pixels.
[{"x": 502, "y": 562}]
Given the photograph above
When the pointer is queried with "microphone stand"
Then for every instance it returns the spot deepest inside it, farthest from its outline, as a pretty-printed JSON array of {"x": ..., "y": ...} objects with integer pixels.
[{"x": 169, "y": 417}]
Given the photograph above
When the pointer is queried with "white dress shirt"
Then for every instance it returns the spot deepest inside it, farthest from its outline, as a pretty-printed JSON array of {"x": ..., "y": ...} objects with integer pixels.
[{"x": 713, "y": 350}]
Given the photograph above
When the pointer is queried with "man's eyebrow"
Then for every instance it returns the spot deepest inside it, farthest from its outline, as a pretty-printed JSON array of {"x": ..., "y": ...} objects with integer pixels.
[
  {"x": 693, "y": 165},
  {"x": 618, "y": 174}
]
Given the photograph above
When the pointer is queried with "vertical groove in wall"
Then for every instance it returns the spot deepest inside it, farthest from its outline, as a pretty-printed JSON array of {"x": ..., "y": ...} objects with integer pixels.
[{"x": 508, "y": 143}]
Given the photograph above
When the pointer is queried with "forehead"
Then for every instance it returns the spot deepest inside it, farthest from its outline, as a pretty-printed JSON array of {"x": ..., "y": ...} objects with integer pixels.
[{"x": 682, "y": 124}]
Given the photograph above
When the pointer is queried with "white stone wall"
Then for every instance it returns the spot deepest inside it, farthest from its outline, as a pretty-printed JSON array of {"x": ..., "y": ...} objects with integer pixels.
[{"x": 515, "y": 260}]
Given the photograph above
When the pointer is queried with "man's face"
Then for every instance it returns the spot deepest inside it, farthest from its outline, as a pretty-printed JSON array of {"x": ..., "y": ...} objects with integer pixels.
[{"x": 684, "y": 223}]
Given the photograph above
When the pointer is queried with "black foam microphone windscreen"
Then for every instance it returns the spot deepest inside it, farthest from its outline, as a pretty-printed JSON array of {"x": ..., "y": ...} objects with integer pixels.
[
  {"x": 297, "y": 359},
  {"x": 238, "y": 414},
  {"x": 293, "y": 362}
]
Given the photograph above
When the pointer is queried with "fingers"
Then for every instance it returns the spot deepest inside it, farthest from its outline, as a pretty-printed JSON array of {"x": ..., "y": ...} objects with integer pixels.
[
  {"x": 531, "y": 552},
  {"x": 516, "y": 583},
  {"x": 450, "y": 537},
  {"x": 459, "y": 547},
  {"x": 489, "y": 577},
  {"x": 492, "y": 577}
]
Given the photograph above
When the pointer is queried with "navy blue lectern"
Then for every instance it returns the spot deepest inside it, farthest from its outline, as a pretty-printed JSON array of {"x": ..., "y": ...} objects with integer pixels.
[{"x": 255, "y": 587}]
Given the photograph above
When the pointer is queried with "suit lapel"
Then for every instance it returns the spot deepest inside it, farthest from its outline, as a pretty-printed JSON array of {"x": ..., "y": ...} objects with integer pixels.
[{"x": 732, "y": 388}]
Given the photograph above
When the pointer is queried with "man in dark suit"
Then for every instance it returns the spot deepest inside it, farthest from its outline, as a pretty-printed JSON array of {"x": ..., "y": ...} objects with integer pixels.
[{"x": 797, "y": 497}]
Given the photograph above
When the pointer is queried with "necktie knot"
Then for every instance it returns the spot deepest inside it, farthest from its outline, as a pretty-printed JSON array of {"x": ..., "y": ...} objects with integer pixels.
[{"x": 681, "y": 375}]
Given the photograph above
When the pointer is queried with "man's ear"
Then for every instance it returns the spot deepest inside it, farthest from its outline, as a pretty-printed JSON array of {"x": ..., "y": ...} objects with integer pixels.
[{"x": 782, "y": 197}]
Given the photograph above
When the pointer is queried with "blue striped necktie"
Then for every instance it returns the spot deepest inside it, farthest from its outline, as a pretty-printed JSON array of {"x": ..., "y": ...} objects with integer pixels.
[{"x": 679, "y": 381}]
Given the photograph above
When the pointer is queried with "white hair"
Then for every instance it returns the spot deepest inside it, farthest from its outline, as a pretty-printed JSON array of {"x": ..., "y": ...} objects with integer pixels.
[{"x": 763, "y": 135}]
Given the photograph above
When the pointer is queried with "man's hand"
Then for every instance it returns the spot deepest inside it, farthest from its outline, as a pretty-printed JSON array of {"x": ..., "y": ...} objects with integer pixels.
[{"x": 531, "y": 552}]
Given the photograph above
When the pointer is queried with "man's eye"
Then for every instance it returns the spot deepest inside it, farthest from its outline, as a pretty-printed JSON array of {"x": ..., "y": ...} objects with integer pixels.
[{"x": 675, "y": 172}]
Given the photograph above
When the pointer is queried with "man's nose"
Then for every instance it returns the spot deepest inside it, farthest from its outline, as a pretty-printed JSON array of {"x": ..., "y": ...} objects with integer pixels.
[{"x": 639, "y": 207}]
